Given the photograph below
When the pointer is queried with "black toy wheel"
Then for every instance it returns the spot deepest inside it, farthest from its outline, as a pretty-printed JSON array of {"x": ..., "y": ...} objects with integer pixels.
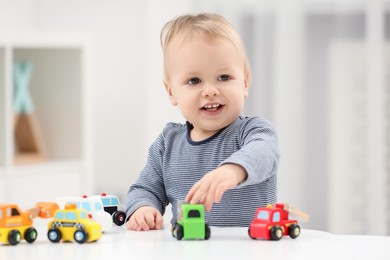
[
  {"x": 178, "y": 231},
  {"x": 14, "y": 237},
  {"x": 54, "y": 235},
  {"x": 294, "y": 231},
  {"x": 30, "y": 235},
  {"x": 80, "y": 236},
  {"x": 276, "y": 233},
  {"x": 119, "y": 218},
  {"x": 173, "y": 227},
  {"x": 207, "y": 232}
]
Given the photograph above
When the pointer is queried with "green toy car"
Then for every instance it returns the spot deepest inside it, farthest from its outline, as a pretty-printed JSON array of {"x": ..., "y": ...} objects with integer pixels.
[{"x": 190, "y": 223}]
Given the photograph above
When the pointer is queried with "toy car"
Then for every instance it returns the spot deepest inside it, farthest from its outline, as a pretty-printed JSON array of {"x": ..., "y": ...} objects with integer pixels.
[
  {"x": 16, "y": 225},
  {"x": 72, "y": 223},
  {"x": 93, "y": 206},
  {"x": 191, "y": 223},
  {"x": 44, "y": 209},
  {"x": 111, "y": 205},
  {"x": 272, "y": 223}
]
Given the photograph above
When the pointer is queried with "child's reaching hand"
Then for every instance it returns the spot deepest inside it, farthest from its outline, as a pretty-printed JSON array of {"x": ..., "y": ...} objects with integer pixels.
[
  {"x": 211, "y": 187},
  {"x": 145, "y": 218}
]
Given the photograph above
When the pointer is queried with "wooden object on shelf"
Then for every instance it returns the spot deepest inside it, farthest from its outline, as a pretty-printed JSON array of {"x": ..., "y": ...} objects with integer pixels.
[
  {"x": 28, "y": 138},
  {"x": 29, "y": 145}
]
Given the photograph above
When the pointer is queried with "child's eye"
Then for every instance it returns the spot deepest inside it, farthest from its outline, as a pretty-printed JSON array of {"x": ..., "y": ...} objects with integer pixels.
[
  {"x": 224, "y": 78},
  {"x": 193, "y": 81}
]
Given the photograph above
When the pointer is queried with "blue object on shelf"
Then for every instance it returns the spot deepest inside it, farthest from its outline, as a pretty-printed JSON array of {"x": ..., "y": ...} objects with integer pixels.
[{"x": 22, "y": 101}]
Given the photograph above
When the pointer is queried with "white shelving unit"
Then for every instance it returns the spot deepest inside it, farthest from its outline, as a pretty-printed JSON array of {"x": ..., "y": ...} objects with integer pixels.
[{"x": 58, "y": 88}]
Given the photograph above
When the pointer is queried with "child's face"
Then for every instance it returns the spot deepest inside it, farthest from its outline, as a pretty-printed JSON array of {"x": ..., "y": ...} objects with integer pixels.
[{"x": 206, "y": 80}]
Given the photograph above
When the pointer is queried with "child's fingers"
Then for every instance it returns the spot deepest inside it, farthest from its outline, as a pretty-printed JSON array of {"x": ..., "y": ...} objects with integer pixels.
[
  {"x": 150, "y": 220},
  {"x": 192, "y": 191},
  {"x": 206, "y": 194},
  {"x": 200, "y": 194},
  {"x": 159, "y": 221},
  {"x": 208, "y": 203},
  {"x": 219, "y": 191},
  {"x": 197, "y": 197},
  {"x": 214, "y": 195},
  {"x": 141, "y": 222},
  {"x": 145, "y": 218},
  {"x": 130, "y": 225},
  {"x": 133, "y": 225}
]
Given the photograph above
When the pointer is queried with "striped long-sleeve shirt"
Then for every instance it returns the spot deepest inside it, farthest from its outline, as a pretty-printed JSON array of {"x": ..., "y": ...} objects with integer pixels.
[{"x": 175, "y": 163}]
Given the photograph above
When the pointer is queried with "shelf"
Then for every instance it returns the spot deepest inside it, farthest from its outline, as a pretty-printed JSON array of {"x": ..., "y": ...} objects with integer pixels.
[
  {"x": 27, "y": 185},
  {"x": 2, "y": 109},
  {"x": 46, "y": 168},
  {"x": 2, "y": 184},
  {"x": 57, "y": 88}
]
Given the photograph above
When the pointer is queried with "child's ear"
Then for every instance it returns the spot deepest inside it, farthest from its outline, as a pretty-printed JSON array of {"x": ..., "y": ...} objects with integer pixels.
[
  {"x": 246, "y": 89},
  {"x": 170, "y": 93},
  {"x": 246, "y": 84}
]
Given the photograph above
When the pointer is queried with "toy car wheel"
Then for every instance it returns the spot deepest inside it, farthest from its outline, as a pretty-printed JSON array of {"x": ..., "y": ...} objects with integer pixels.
[
  {"x": 31, "y": 235},
  {"x": 178, "y": 231},
  {"x": 276, "y": 233},
  {"x": 14, "y": 237},
  {"x": 173, "y": 227},
  {"x": 207, "y": 232},
  {"x": 54, "y": 235},
  {"x": 294, "y": 230},
  {"x": 80, "y": 235},
  {"x": 119, "y": 218},
  {"x": 249, "y": 233}
]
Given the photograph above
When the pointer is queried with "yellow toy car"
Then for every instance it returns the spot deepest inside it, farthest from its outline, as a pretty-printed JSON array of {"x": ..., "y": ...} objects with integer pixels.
[{"x": 72, "y": 223}]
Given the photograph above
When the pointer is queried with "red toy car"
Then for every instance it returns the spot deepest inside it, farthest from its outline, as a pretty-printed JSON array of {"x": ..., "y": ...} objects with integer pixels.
[{"x": 272, "y": 223}]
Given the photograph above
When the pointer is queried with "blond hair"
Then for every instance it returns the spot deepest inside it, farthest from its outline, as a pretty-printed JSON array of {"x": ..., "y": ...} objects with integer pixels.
[{"x": 209, "y": 24}]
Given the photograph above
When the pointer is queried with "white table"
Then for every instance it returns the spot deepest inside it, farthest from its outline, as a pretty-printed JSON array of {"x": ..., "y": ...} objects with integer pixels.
[{"x": 224, "y": 243}]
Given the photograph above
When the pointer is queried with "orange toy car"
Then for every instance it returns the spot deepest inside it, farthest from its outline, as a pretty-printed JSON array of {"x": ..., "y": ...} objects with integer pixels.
[
  {"x": 16, "y": 225},
  {"x": 44, "y": 209}
]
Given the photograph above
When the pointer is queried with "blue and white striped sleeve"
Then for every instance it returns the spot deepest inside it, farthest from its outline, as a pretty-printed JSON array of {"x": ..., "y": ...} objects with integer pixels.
[
  {"x": 149, "y": 188},
  {"x": 259, "y": 152}
]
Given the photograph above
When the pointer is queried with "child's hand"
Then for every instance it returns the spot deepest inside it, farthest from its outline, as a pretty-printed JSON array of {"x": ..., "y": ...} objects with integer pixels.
[
  {"x": 145, "y": 218},
  {"x": 212, "y": 186}
]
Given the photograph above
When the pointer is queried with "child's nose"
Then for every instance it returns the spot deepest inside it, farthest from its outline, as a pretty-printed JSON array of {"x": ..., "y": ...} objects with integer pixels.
[{"x": 210, "y": 91}]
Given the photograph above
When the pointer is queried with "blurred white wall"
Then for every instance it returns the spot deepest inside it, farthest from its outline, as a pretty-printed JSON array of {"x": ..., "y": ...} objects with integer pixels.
[{"x": 117, "y": 33}]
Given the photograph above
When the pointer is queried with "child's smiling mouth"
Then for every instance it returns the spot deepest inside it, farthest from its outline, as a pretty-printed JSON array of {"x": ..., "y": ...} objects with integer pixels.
[{"x": 212, "y": 107}]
